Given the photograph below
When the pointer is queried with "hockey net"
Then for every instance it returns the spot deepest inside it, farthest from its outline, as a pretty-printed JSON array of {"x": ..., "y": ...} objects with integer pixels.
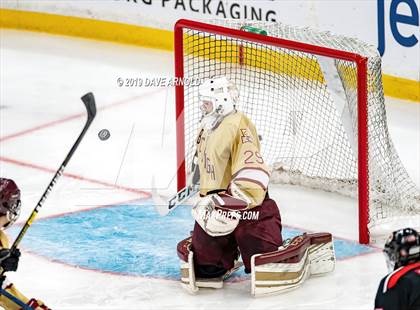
[{"x": 318, "y": 104}]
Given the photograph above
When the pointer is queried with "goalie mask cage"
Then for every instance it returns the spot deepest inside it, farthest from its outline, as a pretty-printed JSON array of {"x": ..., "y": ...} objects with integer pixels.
[{"x": 317, "y": 102}]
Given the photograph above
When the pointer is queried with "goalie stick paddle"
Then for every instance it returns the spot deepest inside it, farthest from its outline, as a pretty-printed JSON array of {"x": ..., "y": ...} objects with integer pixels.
[
  {"x": 164, "y": 207},
  {"x": 89, "y": 102}
]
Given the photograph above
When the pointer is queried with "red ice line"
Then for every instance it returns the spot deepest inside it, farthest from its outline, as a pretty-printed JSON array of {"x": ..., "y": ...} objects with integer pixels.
[
  {"x": 75, "y": 116},
  {"x": 62, "y": 214},
  {"x": 144, "y": 194},
  {"x": 36, "y": 128},
  {"x": 64, "y": 120}
]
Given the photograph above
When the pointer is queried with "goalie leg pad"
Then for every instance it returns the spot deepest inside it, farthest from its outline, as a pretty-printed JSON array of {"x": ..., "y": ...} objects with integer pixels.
[
  {"x": 321, "y": 254},
  {"x": 185, "y": 254},
  {"x": 292, "y": 264},
  {"x": 188, "y": 273}
]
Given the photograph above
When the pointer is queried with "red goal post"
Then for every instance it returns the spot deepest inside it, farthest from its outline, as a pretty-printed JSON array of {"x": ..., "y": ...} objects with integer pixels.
[{"x": 358, "y": 60}]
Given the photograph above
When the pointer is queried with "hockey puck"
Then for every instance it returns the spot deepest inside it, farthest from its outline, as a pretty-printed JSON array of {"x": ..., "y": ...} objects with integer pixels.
[{"x": 104, "y": 134}]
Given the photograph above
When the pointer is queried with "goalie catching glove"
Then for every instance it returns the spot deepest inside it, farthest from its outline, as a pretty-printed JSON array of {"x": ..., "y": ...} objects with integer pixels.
[{"x": 218, "y": 214}]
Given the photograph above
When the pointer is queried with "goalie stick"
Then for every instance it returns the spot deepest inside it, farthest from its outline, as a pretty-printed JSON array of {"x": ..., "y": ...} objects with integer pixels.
[
  {"x": 163, "y": 207},
  {"x": 89, "y": 102}
]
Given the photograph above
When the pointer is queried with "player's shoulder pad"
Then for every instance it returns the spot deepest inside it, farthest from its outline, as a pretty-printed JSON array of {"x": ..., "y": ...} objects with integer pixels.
[
  {"x": 239, "y": 122},
  {"x": 238, "y": 119},
  {"x": 392, "y": 279}
]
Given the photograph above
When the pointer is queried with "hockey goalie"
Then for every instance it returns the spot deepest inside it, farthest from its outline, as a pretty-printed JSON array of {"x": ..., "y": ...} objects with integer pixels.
[{"x": 234, "y": 216}]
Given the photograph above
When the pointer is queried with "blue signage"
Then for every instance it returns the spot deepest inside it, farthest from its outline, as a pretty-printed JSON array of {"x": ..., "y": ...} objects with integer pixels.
[{"x": 395, "y": 19}]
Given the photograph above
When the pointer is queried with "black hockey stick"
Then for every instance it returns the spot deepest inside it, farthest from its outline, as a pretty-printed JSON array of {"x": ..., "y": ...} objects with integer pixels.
[{"x": 89, "y": 102}]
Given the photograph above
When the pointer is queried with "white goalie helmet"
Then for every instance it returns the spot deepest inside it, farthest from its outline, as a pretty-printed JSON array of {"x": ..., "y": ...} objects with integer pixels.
[{"x": 218, "y": 96}]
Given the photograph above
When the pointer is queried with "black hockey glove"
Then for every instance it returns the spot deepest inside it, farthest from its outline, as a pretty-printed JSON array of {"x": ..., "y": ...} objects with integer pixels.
[{"x": 9, "y": 260}]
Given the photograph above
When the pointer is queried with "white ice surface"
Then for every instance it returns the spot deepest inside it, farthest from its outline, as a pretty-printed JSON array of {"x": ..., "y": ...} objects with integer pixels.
[{"x": 41, "y": 80}]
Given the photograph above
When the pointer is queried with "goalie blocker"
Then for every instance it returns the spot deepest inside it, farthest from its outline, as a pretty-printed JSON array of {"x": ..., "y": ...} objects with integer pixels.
[{"x": 274, "y": 272}]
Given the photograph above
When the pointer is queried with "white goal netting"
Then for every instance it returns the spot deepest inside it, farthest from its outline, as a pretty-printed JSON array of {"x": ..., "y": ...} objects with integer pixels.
[{"x": 305, "y": 110}]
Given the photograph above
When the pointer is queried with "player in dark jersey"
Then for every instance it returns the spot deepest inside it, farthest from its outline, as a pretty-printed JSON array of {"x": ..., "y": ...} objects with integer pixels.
[{"x": 400, "y": 289}]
